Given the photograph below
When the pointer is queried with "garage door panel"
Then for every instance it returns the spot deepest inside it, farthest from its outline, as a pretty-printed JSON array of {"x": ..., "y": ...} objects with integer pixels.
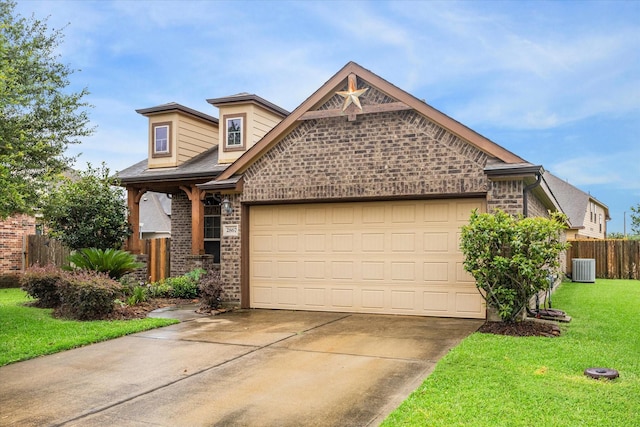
[
  {"x": 372, "y": 242},
  {"x": 342, "y": 298},
  {"x": 373, "y": 299},
  {"x": 315, "y": 297},
  {"x": 314, "y": 242},
  {"x": 373, "y": 270},
  {"x": 287, "y": 242},
  {"x": 435, "y": 302},
  {"x": 435, "y": 271},
  {"x": 435, "y": 241},
  {"x": 342, "y": 242},
  {"x": 375, "y": 257},
  {"x": 437, "y": 212},
  {"x": 403, "y": 242}
]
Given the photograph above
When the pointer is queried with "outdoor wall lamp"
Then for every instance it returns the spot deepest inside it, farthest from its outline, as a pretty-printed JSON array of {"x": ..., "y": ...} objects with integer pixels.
[{"x": 226, "y": 206}]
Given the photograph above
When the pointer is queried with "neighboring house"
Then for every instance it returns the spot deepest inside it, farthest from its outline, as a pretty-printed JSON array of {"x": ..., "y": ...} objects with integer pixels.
[
  {"x": 13, "y": 232},
  {"x": 353, "y": 202},
  {"x": 587, "y": 216},
  {"x": 155, "y": 215}
]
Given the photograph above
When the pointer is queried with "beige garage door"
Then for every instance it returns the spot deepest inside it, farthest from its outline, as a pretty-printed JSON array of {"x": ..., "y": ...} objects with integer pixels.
[{"x": 397, "y": 257}]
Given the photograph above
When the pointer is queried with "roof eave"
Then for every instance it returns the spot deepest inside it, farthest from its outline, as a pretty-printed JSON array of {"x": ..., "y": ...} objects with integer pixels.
[{"x": 175, "y": 107}]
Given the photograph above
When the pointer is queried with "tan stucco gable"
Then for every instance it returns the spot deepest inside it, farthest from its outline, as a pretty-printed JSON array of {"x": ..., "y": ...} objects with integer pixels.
[{"x": 403, "y": 100}]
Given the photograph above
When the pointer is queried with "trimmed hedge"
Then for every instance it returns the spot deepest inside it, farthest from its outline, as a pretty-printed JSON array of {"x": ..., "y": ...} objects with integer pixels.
[
  {"x": 87, "y": 295},
  {"x": 41, "y": 283}
]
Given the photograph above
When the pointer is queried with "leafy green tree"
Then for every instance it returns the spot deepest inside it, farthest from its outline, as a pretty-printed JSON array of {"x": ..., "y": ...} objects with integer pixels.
[
  {"x": 635, "y": 219},
  {"x": 511, "y": 258},
  {"x": 88, "y": 212},
  {"x": 39, "y": 117}
]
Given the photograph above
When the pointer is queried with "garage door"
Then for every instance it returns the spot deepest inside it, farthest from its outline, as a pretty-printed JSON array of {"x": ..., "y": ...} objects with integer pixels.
[{"x": 398, "y": 257}]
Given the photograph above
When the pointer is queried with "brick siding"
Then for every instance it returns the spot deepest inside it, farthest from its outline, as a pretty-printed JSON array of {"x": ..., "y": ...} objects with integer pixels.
[
  {"x": 180, "y": 233},
  {"x": 12, "y": 232},
  {"x": 379, "y": 155}
]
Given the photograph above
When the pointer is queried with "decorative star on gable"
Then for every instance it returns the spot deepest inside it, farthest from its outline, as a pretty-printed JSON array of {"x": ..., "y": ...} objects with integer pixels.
[{"x": 352, "y": 95}]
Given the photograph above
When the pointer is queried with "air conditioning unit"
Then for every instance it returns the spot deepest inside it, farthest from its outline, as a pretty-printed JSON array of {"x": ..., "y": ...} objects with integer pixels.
[{"x": 584, "y": 270}]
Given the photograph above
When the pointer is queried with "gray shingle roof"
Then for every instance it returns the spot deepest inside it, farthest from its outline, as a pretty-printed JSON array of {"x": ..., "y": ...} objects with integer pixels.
[
  {"x": 203, "y": 165},
  {"x": 155, "y": 212},
  {"x": 573, "y": 201}
]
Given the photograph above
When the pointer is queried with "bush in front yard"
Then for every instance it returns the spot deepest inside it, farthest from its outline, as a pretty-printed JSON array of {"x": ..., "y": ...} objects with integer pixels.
[
  {"x": 210, "y": 287},
  {"x": 42, "y": 283},
  {"x": 183, "y": 287},
  {"x": 87, "y": 295},
  {"x": 511, "y": 257}
]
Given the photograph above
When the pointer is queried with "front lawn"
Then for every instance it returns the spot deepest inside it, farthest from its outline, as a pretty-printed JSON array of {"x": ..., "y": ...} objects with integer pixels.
[
  {"x": 491, "y": 380},
  {"x": 28, "y": 332}
]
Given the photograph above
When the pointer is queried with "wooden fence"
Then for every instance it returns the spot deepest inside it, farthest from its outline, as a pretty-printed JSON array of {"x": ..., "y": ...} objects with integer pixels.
[
  {"x": 159, "y": 261},
  {"x": 43, "y": 250},
  {"x": 615, "y": 259}
]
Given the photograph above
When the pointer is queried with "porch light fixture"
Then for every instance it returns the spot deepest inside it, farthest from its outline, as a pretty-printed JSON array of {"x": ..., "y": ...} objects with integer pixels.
[{"x": 226, "y": 206}]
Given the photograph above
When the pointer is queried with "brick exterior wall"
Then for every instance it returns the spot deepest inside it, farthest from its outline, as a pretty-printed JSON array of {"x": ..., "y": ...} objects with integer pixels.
[
  {"x": 180, "y": 233},
  {"x": 379, "y": 155},
  {"x": 12, "y": 232},
  {"x": 506, "y": 195},
  {"x": 536, "y": 207},
  {"x": 230, "y": 255}
]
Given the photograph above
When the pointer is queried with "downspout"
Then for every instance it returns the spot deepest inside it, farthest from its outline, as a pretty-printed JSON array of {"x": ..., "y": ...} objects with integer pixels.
[{"x": 525, "y": 192}]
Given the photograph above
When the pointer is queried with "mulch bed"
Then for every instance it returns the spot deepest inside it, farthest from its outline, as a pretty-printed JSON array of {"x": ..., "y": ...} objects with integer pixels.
[
  {"x": 140, "y": 311},
  {"x": 521, "y": 329}
]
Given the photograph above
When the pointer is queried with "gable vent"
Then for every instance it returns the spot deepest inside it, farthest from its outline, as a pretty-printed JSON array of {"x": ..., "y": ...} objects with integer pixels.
[{"x": 584, "y": 270}]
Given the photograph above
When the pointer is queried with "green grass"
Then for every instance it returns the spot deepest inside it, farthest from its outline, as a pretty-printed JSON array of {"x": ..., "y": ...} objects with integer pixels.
[
  {"x": 28, "y": 332},
  {"x": 491, "y": 380}
]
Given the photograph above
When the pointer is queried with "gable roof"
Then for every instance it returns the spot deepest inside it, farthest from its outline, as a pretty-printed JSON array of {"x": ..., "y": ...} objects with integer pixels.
[
  {"x": 335, "y": 83},
  {"x": 572, "y": 200}
]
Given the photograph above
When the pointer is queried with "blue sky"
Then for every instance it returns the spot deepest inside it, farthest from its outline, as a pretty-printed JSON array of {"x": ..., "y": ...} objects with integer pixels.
[{"x": 558, "y": 83}]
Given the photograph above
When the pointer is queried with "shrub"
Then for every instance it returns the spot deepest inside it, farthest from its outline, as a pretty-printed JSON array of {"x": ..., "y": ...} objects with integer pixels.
[
  {"x": 42, "y": 283},
  {"x": 196, "y": 274},
  {"x": 160, "y": 290},
  {"x": 114, "y": 262},
  {"x": 183, "y": 287},
  {"x": 138, "y": 295},
  {"x": 87, "y": 295},
  {"x": 511, "y": 258},
  {"x": 210, "y": 287}
]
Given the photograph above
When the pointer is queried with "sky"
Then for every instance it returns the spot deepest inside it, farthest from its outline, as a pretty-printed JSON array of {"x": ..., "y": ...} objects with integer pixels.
[{"x": 556, "y": 82}]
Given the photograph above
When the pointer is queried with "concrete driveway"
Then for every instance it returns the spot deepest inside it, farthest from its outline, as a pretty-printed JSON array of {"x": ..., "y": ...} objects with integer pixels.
[{"x": 245, "y": 368}]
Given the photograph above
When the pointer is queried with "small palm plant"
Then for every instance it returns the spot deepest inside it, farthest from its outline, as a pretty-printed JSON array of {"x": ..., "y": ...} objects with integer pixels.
[{"x": 114, "y": 262}]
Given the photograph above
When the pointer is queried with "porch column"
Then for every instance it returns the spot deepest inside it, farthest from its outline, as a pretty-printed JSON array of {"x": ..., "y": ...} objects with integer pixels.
[
  {"x": 133, "y": 203},
  {"x": 196, "y": 195}
]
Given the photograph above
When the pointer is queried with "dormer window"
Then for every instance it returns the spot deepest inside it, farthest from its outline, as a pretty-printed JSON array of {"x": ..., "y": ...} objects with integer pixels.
[
  {"x": 235, "y": 132},
  {"x": 161, "y": 139}
]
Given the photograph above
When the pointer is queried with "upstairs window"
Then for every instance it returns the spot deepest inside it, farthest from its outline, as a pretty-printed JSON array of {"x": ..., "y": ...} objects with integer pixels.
[
  {"x": 161, "y": 140},
  {"x": 234, "y": 132}
]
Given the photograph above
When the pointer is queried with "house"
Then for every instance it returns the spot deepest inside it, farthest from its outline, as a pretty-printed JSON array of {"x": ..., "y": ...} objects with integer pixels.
[
  {"x": 353, "y": 202},
  {"x": 13, "y": 232},
  {"x": 587, "y": 216}
]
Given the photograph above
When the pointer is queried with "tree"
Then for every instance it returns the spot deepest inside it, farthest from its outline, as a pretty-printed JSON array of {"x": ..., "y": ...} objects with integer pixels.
[
  {"x": 39, "y": 118},
  {"x": 635, "y": 219},
  {"x": 511, "y": 258},
  {"x": 89, "y": 212}
]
